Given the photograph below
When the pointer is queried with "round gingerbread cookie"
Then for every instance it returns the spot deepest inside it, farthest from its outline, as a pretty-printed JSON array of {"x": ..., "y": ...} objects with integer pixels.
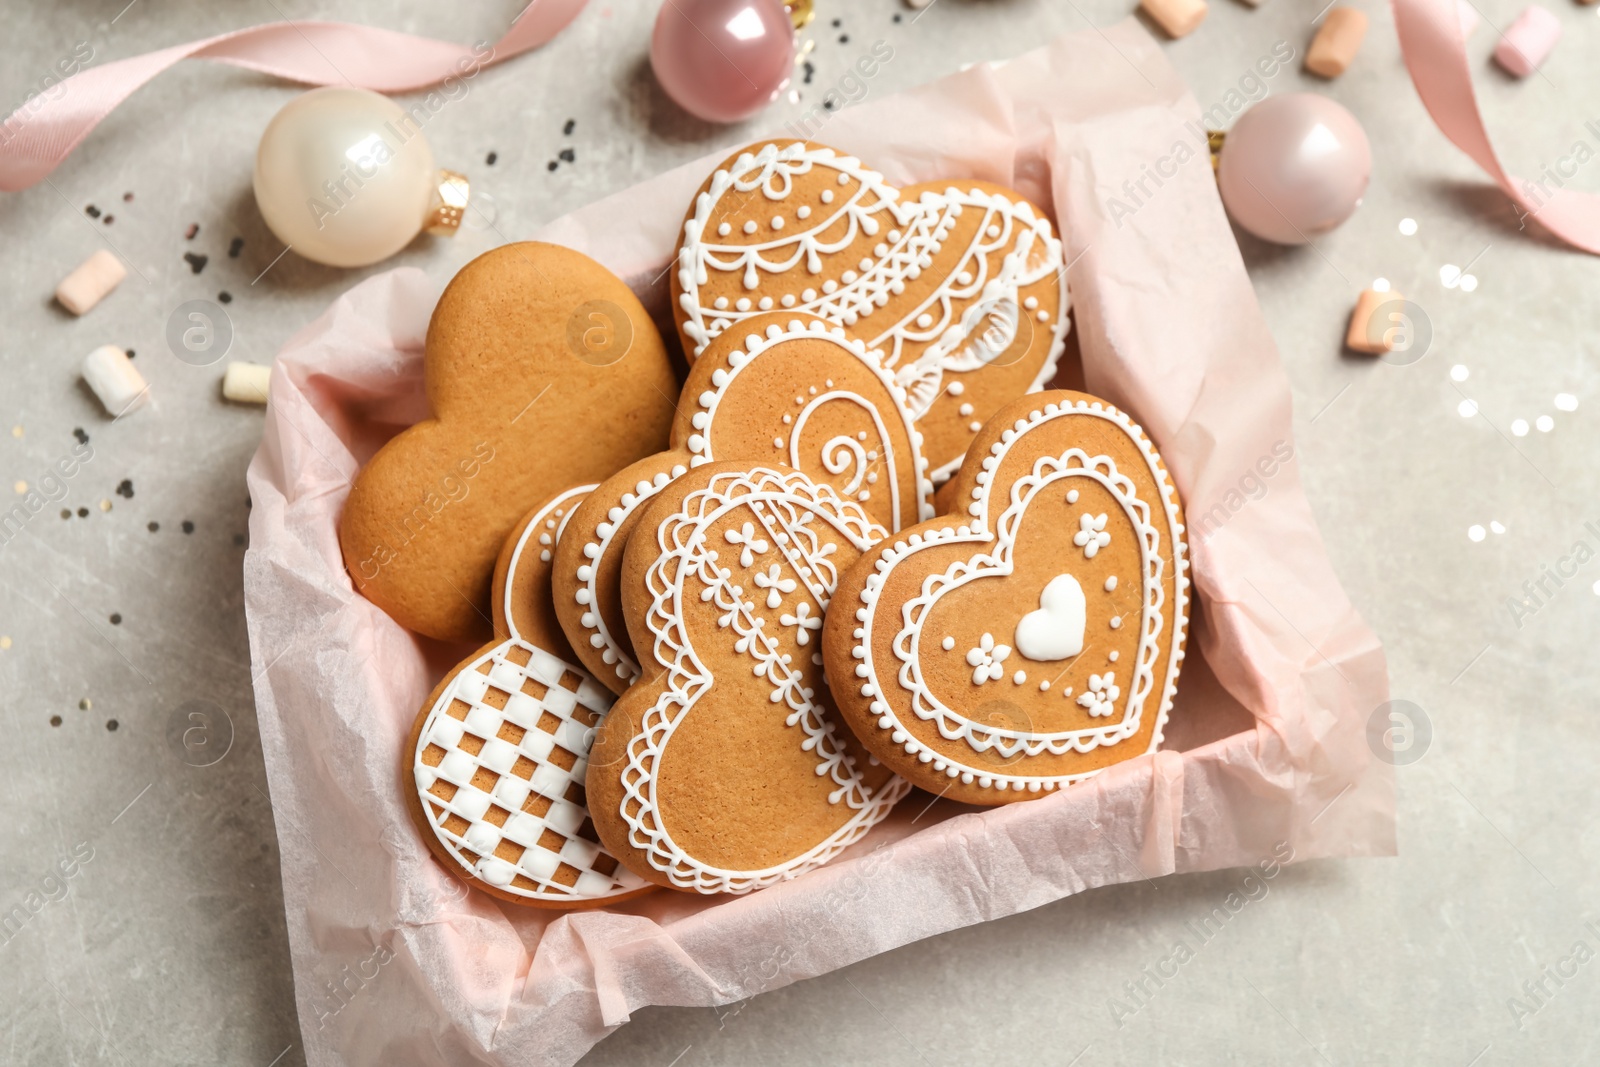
[
  {"x": 543, "y": 370},
  {"x": 725, "y": 769},
  {"x": 787, "y": 389},
  {"x": 495, "y": 766},
  {"x": 1032, "y": 635},
  {"x": 959, "y": 283}
]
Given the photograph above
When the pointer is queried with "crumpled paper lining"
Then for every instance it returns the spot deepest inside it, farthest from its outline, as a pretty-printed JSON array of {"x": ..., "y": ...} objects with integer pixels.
[{"x": 395, "y": 961}]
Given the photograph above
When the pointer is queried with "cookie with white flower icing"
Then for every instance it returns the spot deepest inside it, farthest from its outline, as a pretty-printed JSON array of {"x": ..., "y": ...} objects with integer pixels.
[
  {"x": 960, "y": 283},
  {"x": 495, "y": 765},
  {"x": 787, "y": 389},
  {"x": 1032, "y": 635},
  {"x": 725, "y": 769}
]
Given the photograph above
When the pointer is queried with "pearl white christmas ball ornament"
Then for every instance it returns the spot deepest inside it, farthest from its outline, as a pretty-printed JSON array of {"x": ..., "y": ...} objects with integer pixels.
[
  {"x": 1293, "y": 167},
  {"x": 345, "y": 177}
]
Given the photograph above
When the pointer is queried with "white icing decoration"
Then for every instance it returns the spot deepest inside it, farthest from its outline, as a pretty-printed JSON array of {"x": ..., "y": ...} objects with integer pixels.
[
  {"x": 496, "y": 669},
  {"x": 1091, "y": 535},
  {"x": 806, "y": 520},
  {"x": 1072, "y": 496},
  {"x": 948, "y": 643},
  {"x": 1055, "y": 630},
  {"x": 996, "y": 540},
  {"x": 1111, "y": 583},
  {"x": 986, "y": 659},
  {"x": 1019, "y": 677},
  {"x": 1101, "y": 695}
]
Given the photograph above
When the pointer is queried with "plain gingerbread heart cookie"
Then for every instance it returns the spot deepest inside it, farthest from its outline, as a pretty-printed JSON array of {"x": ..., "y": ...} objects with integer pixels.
[
  {"x": 960, "y": 283},
  {"x": 495, "y": 765},
  {"x": 786, "y": 389},
  {"x": 543, "y": 371},
  {"x": 724, "y": 769},
  {"x": 1031, "y": 636}
]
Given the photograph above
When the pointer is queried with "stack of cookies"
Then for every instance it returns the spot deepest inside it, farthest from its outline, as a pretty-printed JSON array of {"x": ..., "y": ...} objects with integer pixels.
[{"x": 730, "y": 622}]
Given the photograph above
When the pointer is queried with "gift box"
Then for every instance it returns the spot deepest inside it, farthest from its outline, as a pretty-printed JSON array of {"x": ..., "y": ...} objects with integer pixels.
[{"x": 1266, "y": 755}]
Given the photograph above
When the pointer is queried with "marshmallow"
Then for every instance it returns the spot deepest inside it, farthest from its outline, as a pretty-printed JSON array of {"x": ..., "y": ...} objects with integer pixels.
[
  {"x": 111, "y": 374},
  {"x": 1337, "y": 42},
  {"x": 1364, "y": 335},
  {"x": 246, "y": 383},
  {"x": 88, "y": 285},
  {"x": 1177, "y": 17},
  {"x": 1527, "y": 42}
]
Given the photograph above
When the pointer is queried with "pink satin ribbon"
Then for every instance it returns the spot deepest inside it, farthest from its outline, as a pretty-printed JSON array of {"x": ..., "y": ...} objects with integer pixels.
[
  {"x": 1435, "y": 51},
  {"x": 40, "y": 134}
]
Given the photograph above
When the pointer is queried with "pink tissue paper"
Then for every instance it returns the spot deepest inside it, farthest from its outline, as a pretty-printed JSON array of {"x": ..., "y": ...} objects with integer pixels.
[{"x": 395, "y": 961}]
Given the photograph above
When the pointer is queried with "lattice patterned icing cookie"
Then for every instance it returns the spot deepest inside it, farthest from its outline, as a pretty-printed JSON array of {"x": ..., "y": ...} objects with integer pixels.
[
  {"x": 786, "y": 389},
  {"x": 725, "y": 770},
  {"x": 960, "y": 283},
  {"x": 496, "y": 761},
  {"x": 1033, "y": 634},
  {"x": 532, "y": 352}
]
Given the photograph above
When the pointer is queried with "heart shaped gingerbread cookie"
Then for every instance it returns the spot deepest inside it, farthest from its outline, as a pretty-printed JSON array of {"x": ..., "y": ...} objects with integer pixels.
[
  {"x": 1032, "y": 635},
  {"x": 724, "y": 769},
  {"x": 543, "y": 371},
  {"x": 788, "y": 389},
  {"x": 959, "y": 283},
  {"x": 496, "y": 761}
]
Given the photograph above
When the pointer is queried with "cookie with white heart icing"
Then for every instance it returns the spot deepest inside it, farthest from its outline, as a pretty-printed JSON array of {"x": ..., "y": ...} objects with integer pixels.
[
  {"x": 787, "y": 389},
  {"x": 724, "y": 769},
  {"x": 960, "y": 283},
  {"x": 495, "y": 765},
  {"x": 1033, "y": 634}
]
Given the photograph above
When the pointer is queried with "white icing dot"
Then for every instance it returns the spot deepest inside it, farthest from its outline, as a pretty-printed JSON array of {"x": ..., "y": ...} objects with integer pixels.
[
  {"x": 743, "y": 303},
  {"x": 974, "y": 426},
  {"x": 827, "y": 196},
  {"x": 1113, "y": 656},
  {"x": 1044, "y": 316},
  {"x": 965, "y": 410},
  {"x": 1111, "y": 583},
  {"x": 829, "y": 286},
  {"x": 750, "y": 227},
  {"x": 787, "y": 419},
  {"x": 1476, "y": 533},
  {"x": 1072, "y": 496},
  {"x": 808, "y": 295},
  {"x": 724, "y": 230},
  {"x": 1019, "y": 677},
  {"x": 965, "y": 277},
  {"x": 766, "y": 303},
  {"x": 777, "y": 442},
  {"x": 777, "y": 222},
  {"x": 804, "y": 212},
  {"x": 788, "y": 300},
  {"x": 993, "y": 231},
  {"x": 844, "y": 179},
  {"x": 948, "y": 643},
  {"x": 544, "y": 555},
  {"x": 1116, "y": 622},
  {"x": 721, "y": 303},
  {"x": 849, "y": 276},
  {"x": 1566, "y": 402},
  {"x": 1031, "y": 303},
  {"x": 956, "y": 388},
  {"x": 924, "y": 320},
  {"x": 1459, "y": 373},
  {"x": 1044, "y": 686}
]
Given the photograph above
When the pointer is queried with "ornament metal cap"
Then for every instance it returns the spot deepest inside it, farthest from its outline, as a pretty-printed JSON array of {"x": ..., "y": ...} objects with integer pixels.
[{"x": 450, "y": 197}]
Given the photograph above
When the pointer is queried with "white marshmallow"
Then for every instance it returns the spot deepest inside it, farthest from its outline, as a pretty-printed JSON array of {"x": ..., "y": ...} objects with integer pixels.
[{"x": 112, "y": 376}]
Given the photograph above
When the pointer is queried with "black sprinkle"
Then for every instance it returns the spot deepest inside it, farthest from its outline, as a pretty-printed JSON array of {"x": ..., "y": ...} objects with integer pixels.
[
  {"x": 66, "y": 513},
  {"x": 491, "y": 157},
  {"x": 225, "y": 296},
  {"x": 828, "y": 104},
  {"x": 92, "y": 211},
  {"x": 127, "y": 198},
  {"x": 125, "y": 488},
  {"x": 844, "y": 38},
  {"x": 896, "y": 17},
  {"x": 553, "y": 165},
  {"x": 571, "y": 125},
  {"x": 194, "y": 228},
  {"x": 83, "y": 438},
  {"x": 235, "y": 246},
  {"x": 131, "y": 353},
  {"x": 810, "y": 69},
  {"x": 55, "y": 720},
  {"x": 109, "y": 219},
  {"x": 196, "y": 263},
  {"x": 116, "y": 618},
  {"x": 188, "y": 527},
  {"x": 153, "y": 527},
  {"x": 837, "y": 23},
  {"x": 568, "y": 155},
  {"x": 111, "y": 724},
  {"x": 83, "y": 513}
]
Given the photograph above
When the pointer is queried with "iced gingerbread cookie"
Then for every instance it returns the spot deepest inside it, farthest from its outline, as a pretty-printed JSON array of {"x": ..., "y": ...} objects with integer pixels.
[
  {"x": 1032, "y": 635},
  {"x": 725, "y": 769},
  {"x": 960, "y": 283},
  {"x": 543, "y": 371},
  {"x": 786, "y": 389},
  {"x": 495, "y": 766}
]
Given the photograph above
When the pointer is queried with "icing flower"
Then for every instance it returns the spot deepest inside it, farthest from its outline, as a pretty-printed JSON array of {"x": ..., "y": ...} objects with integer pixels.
[
  {"x": 753, "y": 545},
  {"x": 986, "y": 660},
  {"x": 1102, "y": 692},
  {"x": 776, "y": 586},
  {"x": 1091, "y": 535},
  {"x": 802, "y": 620}
]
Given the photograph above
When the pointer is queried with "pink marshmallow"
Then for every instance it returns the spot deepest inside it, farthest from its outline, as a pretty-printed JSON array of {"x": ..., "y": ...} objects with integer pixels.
[{"x": 1528, "y": 41}]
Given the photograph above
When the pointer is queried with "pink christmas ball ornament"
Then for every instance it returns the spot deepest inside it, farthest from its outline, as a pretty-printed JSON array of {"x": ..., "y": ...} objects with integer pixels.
[
  {"x": 723, "y": 60},
  {"x": 1294, "y": 167}
]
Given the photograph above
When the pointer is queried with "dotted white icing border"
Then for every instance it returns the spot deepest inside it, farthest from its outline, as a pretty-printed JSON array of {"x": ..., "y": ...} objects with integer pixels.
[
  {"x": 979, "y": 531},
  {"x": 471, "y": 685},
  {"x": 682, "y": 545}
]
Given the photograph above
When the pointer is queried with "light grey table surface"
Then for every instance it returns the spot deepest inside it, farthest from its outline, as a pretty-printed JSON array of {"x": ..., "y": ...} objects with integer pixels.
[{"x": 168, "y": 944}]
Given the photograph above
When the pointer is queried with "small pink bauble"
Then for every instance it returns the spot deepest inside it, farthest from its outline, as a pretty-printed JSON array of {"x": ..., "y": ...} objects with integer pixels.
[
  {"x": 1294, "y": 167},
  {"x": 723, "y": 60}
]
